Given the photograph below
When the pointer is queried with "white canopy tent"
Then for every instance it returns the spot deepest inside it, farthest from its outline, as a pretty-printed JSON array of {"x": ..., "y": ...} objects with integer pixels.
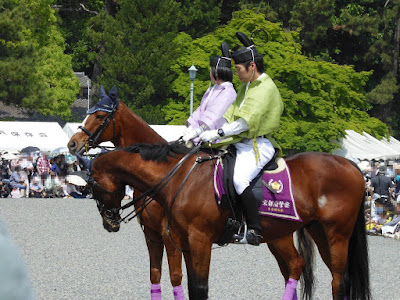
[
  {"x": 357, "y": 147},
  {"x": 17, "y": 135}
]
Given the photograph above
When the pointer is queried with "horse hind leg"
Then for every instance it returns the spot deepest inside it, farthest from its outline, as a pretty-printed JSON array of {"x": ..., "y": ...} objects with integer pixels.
[
  {"x": 290, "y": 263},
  {"x": 333, "y": 249}
]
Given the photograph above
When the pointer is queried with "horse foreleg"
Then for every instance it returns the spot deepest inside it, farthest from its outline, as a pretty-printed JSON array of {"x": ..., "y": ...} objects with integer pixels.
[
  {"x": 155, "y": 248},
  {"x": 174, "y": 256},
  {"x": 290, "y": 263},
  {"x": 197, "y": 261}
]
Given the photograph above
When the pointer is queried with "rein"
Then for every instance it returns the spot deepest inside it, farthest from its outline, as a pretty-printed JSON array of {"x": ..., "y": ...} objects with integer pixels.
[
  {"x": 158, "y": 187},
  {"x": 93, "y": 137}
]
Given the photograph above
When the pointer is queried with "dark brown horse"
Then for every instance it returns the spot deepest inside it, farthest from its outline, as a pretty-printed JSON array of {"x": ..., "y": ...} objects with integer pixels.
[
  {"x": 123, "y": 128},
  {"x": 329, "y": 192}
]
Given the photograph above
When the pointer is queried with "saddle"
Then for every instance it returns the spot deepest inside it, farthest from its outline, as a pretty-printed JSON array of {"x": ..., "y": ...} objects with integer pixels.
[{"x": 272, "y": 188}]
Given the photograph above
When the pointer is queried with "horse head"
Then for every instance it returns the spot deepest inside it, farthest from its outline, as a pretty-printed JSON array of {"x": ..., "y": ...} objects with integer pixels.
[
  {"x": 96, "y": 127},
  {"x": 107, "y": 191}
]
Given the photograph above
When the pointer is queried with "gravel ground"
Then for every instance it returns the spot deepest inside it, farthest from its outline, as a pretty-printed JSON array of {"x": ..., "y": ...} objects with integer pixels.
[{"x": 70, "y": 256}]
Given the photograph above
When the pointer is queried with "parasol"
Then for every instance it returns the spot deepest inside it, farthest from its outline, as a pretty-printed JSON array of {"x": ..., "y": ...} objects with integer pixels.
[
  {"x": 9, "y": 156},
  {"x": 58, "y": 151},
  {"x": 75, "y": 179},
  {"x": 29, "y": 149}
]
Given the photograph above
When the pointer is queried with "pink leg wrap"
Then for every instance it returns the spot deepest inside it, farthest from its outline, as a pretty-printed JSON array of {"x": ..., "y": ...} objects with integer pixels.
[
  {"x": 290, "y": 291},
  {"x": 178, "y": 293},
  {"x": 156, "y": 291}
]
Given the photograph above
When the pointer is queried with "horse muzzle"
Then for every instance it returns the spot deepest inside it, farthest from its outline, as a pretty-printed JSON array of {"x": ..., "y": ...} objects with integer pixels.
[{"x": 111, "y": 225}]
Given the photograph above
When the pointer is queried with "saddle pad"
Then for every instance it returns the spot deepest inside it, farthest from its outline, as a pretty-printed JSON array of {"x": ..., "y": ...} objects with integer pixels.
[{"x": 282, "y": 204}]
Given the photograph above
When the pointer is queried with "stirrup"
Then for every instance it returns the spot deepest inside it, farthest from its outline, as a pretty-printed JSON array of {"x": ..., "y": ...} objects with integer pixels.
[{"x": 240, "y": 238}]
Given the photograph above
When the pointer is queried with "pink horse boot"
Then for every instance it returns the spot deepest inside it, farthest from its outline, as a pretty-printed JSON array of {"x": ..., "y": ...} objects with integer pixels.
[
  {"x": 178, "y": 293},
  {"x": 290, "y": 291},
  {"x": 156, "y": 291}
]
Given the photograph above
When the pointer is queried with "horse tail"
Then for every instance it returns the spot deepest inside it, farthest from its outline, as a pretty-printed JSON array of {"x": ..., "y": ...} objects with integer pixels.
[
  {"x": 355, "y": 281},
  {"x": 306, "y": 250}
]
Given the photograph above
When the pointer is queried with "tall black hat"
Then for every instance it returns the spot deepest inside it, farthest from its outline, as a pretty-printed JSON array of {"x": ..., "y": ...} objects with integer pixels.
[
  {"x": 246, "y": 53},
  {"x": 221, "y": 61}
]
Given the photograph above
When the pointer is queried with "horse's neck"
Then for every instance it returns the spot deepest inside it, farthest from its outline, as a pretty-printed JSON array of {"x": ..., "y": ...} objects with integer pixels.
[
  {"x": 133, "y": 129},
  {"x": 142, "y": 175}
]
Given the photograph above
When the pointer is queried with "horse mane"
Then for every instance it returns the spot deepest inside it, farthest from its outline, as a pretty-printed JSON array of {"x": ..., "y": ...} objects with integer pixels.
[{"x": 157, "y": 152}]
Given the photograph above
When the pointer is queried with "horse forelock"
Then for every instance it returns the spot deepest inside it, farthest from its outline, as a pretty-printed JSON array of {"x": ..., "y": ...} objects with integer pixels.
[{"x": 157, "y": 152}]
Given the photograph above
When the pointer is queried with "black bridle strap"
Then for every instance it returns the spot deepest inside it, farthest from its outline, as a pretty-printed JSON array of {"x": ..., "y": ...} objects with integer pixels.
[{"x": 97, "y": 133}]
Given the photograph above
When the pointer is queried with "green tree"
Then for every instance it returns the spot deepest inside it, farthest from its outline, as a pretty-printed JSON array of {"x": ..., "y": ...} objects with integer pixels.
[
  {"x": 139, "y": 48},
  {"x": 34, "y": 70},
  {"x": 321, "y": 99},
  {"x": 75, "y": 20},
  {"x": 199, "y": 17}
]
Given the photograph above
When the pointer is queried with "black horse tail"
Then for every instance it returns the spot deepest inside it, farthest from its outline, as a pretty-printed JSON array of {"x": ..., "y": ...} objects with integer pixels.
[
  {"x": 355, "y": 281},
  {"x": 306, "y": 250}
]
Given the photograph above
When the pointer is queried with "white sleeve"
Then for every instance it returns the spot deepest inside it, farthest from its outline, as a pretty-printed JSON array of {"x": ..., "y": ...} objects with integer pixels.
[{"x": 236, "y": 127}]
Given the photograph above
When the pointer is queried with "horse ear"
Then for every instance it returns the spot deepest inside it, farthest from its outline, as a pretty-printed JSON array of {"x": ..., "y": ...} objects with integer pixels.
[
  {"x": 225, "y": 49},
  {"x": 102, "y": 92},
  {"x": 113, "y": 93},
  {"x": 244, "y": 39}
]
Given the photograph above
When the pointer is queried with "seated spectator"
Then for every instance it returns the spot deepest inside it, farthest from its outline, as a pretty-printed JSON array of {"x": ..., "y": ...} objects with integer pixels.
[
  {"x": 17, "y": 180},
  {"x": 53, "y": 186},
  {"x": 379, "y": 217},
  {"x": 15, "y": 193},
  {"x": 73, "y": 191},
  {"x": 36, "y": 188},
  {"x": 390, "y": 227}
]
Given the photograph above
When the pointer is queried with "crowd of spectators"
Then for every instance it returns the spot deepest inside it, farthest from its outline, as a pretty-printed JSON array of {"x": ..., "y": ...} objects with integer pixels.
[
  {"x": 39, "y": 176},
  {"x": 382, "y": 212}
]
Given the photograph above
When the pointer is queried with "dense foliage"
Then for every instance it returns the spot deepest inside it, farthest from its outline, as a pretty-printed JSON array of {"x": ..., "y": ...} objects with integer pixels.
[
  {"x": 34, "y": 71},
  {"x": 335, "y": 62}
]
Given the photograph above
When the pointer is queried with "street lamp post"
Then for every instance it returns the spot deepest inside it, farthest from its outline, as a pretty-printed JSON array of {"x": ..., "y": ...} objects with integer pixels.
[
  {"x": 88, "y": 93},
  {"x": 192, "y": 75}
]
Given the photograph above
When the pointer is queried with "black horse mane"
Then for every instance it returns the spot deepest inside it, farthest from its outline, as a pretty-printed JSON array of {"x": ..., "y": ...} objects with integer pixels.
[{"x": 157, "y": 152}]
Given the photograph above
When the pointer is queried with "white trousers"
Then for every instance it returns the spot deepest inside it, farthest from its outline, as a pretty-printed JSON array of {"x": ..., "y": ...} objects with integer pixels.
[{"x": 246, "y": 167}]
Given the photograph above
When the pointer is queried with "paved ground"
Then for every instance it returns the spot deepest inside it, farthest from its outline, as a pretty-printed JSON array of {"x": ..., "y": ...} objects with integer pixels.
[{"x": 70, "y": 256}]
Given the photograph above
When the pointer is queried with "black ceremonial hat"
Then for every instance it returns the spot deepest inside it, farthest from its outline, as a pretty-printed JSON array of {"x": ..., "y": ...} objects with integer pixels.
[
  {"x": 221, "y": 61},
  {"x": 246, "y": 53}
]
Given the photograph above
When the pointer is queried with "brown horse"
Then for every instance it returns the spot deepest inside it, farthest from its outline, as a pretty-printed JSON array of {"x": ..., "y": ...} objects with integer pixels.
[
  {"x": 123, "y": 127},
  {"x": 329, "y": 192},
  {"x": 128, "y": 128}
]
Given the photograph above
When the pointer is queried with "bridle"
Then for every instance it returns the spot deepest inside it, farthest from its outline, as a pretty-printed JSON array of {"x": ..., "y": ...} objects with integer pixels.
[{"x": 93, "y": 137}]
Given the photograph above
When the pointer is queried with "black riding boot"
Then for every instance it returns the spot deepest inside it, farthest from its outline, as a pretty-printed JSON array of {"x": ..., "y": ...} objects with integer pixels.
[{"x": 249, "y": 204}]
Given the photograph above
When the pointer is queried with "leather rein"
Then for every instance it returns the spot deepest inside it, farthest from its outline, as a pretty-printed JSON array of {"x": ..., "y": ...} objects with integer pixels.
[{"x": 149, "y": 194}]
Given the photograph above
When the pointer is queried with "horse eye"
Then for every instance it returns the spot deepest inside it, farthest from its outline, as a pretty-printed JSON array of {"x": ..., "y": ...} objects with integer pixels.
[{"x": 100, "y": 117}]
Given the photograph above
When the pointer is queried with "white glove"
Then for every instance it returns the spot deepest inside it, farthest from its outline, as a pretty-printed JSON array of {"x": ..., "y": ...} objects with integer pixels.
[
  {"x": 191, "y": 134},
  {"x": 209, "y": 135}
]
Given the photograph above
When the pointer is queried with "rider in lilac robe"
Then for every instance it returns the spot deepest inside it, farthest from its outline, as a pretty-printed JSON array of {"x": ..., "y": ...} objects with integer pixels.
[{"x": 216, "y": 99}]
